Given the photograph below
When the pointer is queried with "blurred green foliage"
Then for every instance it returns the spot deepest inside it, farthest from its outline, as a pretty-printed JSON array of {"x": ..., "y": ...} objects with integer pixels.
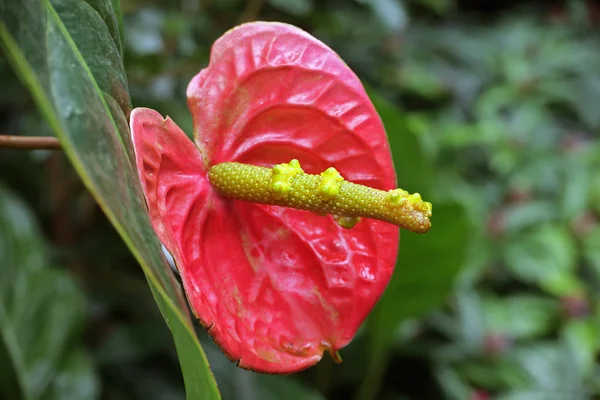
[
  {"x": 491, "y": 112},
  {"x": 41, "y": 316}
]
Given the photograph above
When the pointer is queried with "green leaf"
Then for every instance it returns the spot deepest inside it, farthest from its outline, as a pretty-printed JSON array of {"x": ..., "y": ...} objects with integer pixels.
[
  {"x": 127, "y": 343},
  {"x": 75, "y": 74},
  {"x": 423, "y": 82},
  {"x": 237, "y": 383},
  {"x": 439, "y": 6},
  {"x": 520, "y": 316},
  {"x": 413, "y": 168},
  {"x": 427, "y": 264},
  {"x": 424, "y": 275},
  {"x": 537, "y": 394},
  {"x": 294, "y": 7},
  {"x": 517, "y": 217},
  {"x": 581, "y": 338},
  {"x": 283, "y": 387},
  {"x": 492, "y": 374},
  {"x": 545, "y": 256},
  {"x": 550, "y": 369},
  {"x": 38, "y": 363},
  {"x": 451, "y": 383},
  {"x": 390, "y": 12},
  {"x": 591, "y": 249},
  {"x": 594, "y": 194},
  {"x": 576, "y": 186},
  {"x": 76, "y": 380}
]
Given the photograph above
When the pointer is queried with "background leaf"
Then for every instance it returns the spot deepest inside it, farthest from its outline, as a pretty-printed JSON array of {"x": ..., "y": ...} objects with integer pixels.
[
  {"x": 546, "y": 256},
  {"x": 47, "y": 362},
  {"x": 77, "y": 80},
  {"x": 519, "y": 316},
  {"x": 427, "y": 264}
]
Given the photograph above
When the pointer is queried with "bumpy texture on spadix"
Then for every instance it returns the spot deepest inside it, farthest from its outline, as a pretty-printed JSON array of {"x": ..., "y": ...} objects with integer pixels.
[
  {"x": 274, "y": 286},
  {"x": 328, "y": 193}
]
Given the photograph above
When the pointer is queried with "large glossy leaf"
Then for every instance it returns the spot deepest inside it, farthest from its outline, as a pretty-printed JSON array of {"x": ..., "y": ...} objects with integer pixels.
[
  {"x": 67, "y": 52},
  {"x": 41, "y": 316},
  {"x": 427, "y": 264}
]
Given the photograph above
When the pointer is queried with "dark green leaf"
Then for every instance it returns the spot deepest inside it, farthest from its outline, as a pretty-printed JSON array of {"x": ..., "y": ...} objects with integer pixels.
[
  {"x": 454, "y": 387},
  {"x": 582, "y": 338},
  {"x": 594, "y": 194},
  {"x": 75, "y": 380},
  {"x": 551, "y": 370},
  {"x": 427, "y": 264},
  {"x": 591, "y": 249},
  {"x": 536, "y": 394},
  {"x": 390, "y": 12},
  {"x": 413, "y": 168},
  {"x": 576, "y": 186},
  {"x": 38, "y": 363},
  {"x": 129, "y": 343},
  {"x": 425, "y": 272},
  {"x": 545, "y": 256},
  {"x": 293, "y": 7},
  {"x": 75, "y": 74},
  {"x": 519, "y": 316},
  {"x": 237, "y": 383},
  {"x": 492, "y": 373},
  {"x": 424, "y": 275},
  {"x": 439, "y": 6},
  {"x": 518, "y": 216},
  {"x": 282, "y": 387}
]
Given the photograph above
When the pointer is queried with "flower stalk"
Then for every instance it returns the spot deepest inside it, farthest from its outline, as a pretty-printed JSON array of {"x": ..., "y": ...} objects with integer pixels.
[{"x": 328, "y": 193}]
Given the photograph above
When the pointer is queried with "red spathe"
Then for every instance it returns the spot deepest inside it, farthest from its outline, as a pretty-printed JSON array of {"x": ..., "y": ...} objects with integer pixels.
[{"x": 274, "y": 286}]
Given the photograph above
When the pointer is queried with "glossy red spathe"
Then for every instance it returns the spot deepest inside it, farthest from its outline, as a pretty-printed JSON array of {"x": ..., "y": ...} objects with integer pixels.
[{"x": 274, "y": 286}]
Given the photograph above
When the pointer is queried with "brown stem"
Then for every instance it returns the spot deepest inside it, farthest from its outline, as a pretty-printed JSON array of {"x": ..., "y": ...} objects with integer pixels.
[{"x": 29, "y": 142}]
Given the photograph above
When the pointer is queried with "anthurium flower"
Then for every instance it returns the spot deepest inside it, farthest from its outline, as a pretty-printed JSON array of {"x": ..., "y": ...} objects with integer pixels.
[{"x": 261, "y": 212}]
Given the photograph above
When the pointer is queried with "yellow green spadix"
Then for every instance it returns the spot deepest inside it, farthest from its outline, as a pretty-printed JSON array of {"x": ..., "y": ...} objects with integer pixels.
[{"x": 327, "y": 193}]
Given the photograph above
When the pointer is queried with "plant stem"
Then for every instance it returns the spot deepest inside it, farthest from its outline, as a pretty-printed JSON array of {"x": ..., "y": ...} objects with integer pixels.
[{"x": 29, "y": 142}]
